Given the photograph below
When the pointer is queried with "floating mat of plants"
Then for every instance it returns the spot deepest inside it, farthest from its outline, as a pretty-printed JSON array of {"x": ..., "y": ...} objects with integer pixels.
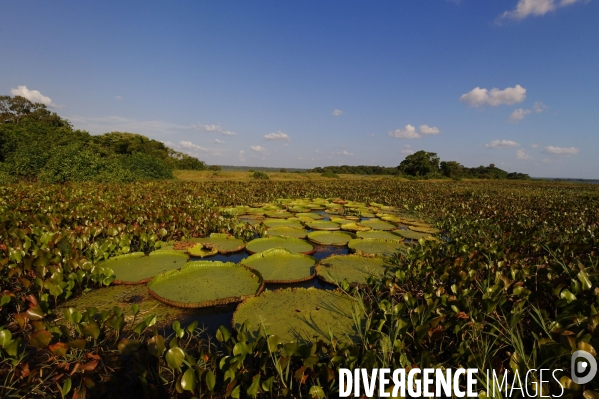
[
  {"x": 322, "y": 225},
  {"x": 293, "y": 245},
  {"x": 411, "y": 235},
  {"x": 354, "y": 227},
  {"x": 200, "y": 251},
  {"x": 335, "y": 238},
  {"x": 223, "y": 243},
  {"x": 378, "y": 225},
  {"x": 387, "y": 235},
  {"x": 285, "y": 231},
  {"x": 139, "y": 268},
  {"x": 412, "y": 222},
  {"x": 202, "y": 284},
  {"x": 279, "y": 214},
  {"x": 279, "y": 266},
  {"x": 315, "y": 216},
  {"x": 299, "y": 314},
  {"x": 282, "y": 222},
  {"x": 422, "y": 229},
  {"x": 374, "y": 246},
  {"x": 354, "y": 268}
]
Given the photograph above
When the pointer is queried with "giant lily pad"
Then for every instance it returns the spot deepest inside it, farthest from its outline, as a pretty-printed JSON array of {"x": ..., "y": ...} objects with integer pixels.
[
  {"x": 378, "y": 225},
  {"x": 282, "y": 222},
  {"x": 322, "y": 225},
  {"x": 279, "y": 214},
  {"x": 387, "y": 235},
  {"x": 411, "y": 235},
  {"x": 299, "y": 314},
  {"x": 138, "y": 268},
  {"x": 200, "y": 251},
  {"x": 342, "y": 220},
  {"x": 422, "y": 229},
  {"x": 314, "y": 216},
  {"x": 354, "y": 227},
  {"x": 353, "y": 268},
  {"x": 223, "y": 243},
  {"x": 336, "y": 238},
  {"x": 293, "y": 245},
  {"x": 204, "y": 283},
  {"x": 284, "y": 231},
  {"x": 279, "y": 266},
  {"x": 374, "y": 246}
]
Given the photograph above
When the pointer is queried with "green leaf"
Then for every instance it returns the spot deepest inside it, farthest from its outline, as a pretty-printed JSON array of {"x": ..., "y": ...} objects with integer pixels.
[
  {"x": 66, "y": 387},
  {"x": 128, "y": 346},
  {"x": 222, "y": 334},
  {"x": 188, "y": 381},
  {"x": 317, "y": 392},
  {"x": 40, "y": 338},
  {"x": 156, "y": 345},
  {"x": 135, "y": 309},
  {"x": 585, "y": 280},
  {"x": 240, "y": 348},
  {"x": 253, "y": 389},
  {"x": 210, "y": 380},
  {"x": 5, "y": 299},
  {"x": 5, "y": 337},
  {"x": 174, "y": 357},
  {"x": 92, "y": 329}
]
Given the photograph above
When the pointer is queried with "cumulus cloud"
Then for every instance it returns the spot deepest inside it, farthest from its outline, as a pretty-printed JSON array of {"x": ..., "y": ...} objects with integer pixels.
[
  {"x": 258, "y": 148},
  {"x": 518, "y": 114},
  {"x": 407, "y": 150},
  {"x": 217, "y": 141},
  {"x": 526, "y": 8},
  {"x": 521, "y": 154},
  {"x": 192, "y": 146},
  {"x": 34, "y": 96},
  {"x": 478, "y": 97},
  {"x": 539, "y": 107},
  {"x": 426, "y": 129},
  {"x": 502, "y": 144},
  {"x": 337, "y": 112},
  {"x": 408, "y": 132},
  {"x": 215, "y": 128},
  {"x": 279, "y": 135},
  {"x": 561, "y": 151}
]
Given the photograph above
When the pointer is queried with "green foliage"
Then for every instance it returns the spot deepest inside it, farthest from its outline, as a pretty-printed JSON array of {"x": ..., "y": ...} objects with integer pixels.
[
  {"x": 261, "y": 176},
  {"x": 215, "y": 168},
  {"x": 329, "y": 174},
  {"x": 420, "y": 163}
]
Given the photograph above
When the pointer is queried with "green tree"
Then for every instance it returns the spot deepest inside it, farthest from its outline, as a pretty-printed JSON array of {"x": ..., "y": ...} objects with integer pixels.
[
  {"x": 452, "y": 169},
  {"x": 420, "y": 163}
]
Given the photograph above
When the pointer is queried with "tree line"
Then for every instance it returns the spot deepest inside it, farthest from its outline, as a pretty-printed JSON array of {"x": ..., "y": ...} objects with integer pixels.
[
  {"x": 423, "y": 164},
  {"x": 38, "y": 145}
]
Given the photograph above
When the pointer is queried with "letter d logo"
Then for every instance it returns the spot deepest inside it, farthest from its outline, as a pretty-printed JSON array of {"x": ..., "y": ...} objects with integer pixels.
[{"x": 583, "y": 371}]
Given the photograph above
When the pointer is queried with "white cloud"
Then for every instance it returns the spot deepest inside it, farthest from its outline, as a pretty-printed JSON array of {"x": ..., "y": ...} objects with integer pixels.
[
  {"x": 215, "y": 128},
  {"x": 217, "y": 141},
  {"x": 526, "y": 8},
  {"x": 521, "y": 154},
  {"x": 241, "y": 156},
  {"x": 407, "y": 151},
  {"x": 478, "y": 97},
  {"x": 502, "y": 144},
  {"x": 534, "y": 145},
  {"x": 426, "y": 129},
  {"x": 518, "y": 114},
  {"x": 561, "y": 151},
  {"x": 192, "y": 146},
  {"x": 344, "y": 152},
  {"x": 34, "y": 96},
  {"x": 539, "y": 107},
  {"x": 408, "y": 132},
  {"x": 337, "y": 112},
  {"x": 279, "y": 135},
  {"x": 258, "y": 148}
]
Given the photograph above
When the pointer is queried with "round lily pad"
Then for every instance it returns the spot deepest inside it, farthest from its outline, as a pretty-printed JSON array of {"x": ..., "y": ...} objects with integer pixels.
[
  {"x": 335, "y": 238},
  {"x": 138, "y": 268},
  {"x": 204, "y": 283},
  {"x": 282, "y": 222},
  {"x": 378, "y": 225},
  {"x": 341, "y": 220},
  {"x": 279, "y": 266},
  {"x": 279, "y": 214},
  {"x": 299, "y": 314},
  {"x": 354, "y": 227},
  {"x": 285, "y": 231},
  {"x": 315, "y": 216},
  {"x": 223, "y": 243},
  {"x": 354, "y": 268},
  {"x": 387, "y": 235},
  {"x": 293, "y": 245},
  {"x": 200, "y": 251},
  {"x": 322, "y": 225},
  {"x": 421, "y": 229},
  {"x": 374, "y": 246},
  {"x": 411, "y": 235}
]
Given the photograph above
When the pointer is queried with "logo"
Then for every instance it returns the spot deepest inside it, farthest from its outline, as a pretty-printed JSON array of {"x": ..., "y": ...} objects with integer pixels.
[{"x": 583, "y": 366}]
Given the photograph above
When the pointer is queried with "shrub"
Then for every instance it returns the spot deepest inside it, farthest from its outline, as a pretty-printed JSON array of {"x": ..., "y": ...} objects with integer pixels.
[
  {"x": 329, "y": 174},
  {"x": 283, "y": 170},
  {"x": 260, "y": 175},
  {"x": 215, "y": 168}
]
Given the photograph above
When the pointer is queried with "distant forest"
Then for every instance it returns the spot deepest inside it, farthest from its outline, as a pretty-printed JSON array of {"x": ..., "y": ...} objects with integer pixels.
[
  {"x": 427, "y": 165},
  {"x": 38, "y": 145}
]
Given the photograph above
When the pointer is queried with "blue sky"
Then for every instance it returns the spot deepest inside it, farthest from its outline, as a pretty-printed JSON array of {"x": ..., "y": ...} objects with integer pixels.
[{"x": 315, "y": 83}]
